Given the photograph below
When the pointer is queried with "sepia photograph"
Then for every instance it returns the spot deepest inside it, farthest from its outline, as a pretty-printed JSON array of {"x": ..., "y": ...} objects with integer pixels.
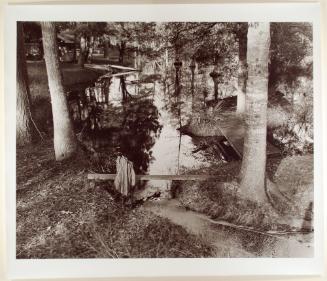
[{"x": 164, "y": 140}]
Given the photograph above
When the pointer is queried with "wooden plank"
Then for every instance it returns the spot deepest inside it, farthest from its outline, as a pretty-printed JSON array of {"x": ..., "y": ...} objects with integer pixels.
[
  {"x": 235, "y": 144},
  {"x": 155, "y": 177},
  {"x": 102, "y": 67},
  {"x": 122, "y": 73},
  {"x": 116, "y": 74},
  {"x": 106, "y": 67},
  {"x": 108, "y": 75},
  {"x": 233, "y": 129},
  {"x": 123, "y": 67}
]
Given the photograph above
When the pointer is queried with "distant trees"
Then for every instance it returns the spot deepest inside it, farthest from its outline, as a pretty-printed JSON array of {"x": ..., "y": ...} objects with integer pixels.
[
  {"x": 24, "y": 130},
  {"x": 291, "y": 51},
  {"x": 131, "y": 36},
  {"x": 64, "y": 138},
  {"x": 290, "y": 57},
  {"x": 253, "y": 167},
  {"x": 106, "y": 45},
  {"x": 82, "y": 32}
]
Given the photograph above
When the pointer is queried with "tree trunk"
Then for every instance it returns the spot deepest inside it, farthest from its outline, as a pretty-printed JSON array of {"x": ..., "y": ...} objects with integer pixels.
[
  {"x": 166, "y": 58},
  {"x": 192, "y": 85},
  {"x": 74, "y": 50},
  {"x": 64, "y": 138},
  {"x": 122, "y": 52},
  {"x": 215, "y": 77},
  {"x": 242, "y": 71},
  {"x": 23, "y": 111},
  {"x": 83, "y": 52},
  {"x": 90, "y": 49},
  {"x": 106, "y": 44},
  {"x": 252, "y": 173}
]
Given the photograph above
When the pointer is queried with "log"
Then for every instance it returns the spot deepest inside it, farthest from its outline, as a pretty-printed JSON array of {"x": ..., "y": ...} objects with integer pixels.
[{"x": 156, "y": 177}]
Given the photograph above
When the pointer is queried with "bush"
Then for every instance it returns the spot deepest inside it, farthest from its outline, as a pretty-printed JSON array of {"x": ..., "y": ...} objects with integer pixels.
[{"x": 277, "y": 117}]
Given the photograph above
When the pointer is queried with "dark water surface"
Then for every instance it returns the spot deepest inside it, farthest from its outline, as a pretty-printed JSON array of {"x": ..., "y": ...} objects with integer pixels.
[{"x": 144, "y": 126}]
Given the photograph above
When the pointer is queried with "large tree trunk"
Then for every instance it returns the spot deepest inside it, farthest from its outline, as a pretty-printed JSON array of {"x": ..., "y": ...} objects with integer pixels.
[
  {"x": 242, "y": 71},
  {"x": 23, "y": 110},
  {"x": 64, "y": 138},
  {"x": 254, "y": 156}
]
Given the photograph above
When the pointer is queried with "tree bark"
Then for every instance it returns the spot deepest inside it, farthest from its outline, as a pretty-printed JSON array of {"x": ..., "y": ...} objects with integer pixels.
[
  {"x": 252, "y": 173},
  {"x": 64, "y": 138},
  {"x": 74, "y": 50},
  {"x": 90, "y": 49},
  {"x": 24, "y": 132},
  {"x": 83, "y": 52},
  {"x": 122, "y": 52},
  {"x": 242, "y": 71},
  {"x": 106, "y": 44}
]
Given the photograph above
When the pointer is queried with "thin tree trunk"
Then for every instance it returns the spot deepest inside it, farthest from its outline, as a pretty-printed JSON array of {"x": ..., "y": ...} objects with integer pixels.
[
  {"x": 192, "y": 86},
  {"x": 106, "y": 44},
  {"x": 83, "y": 52},
  {"x": 215, "y": 77},
  {"x": 90, "y": 49},
  {"x": 242, "y": 72},
  {"x": 64, "y": 138},
  {"x": 216, "y": 90},
  {"x": 122, "y": 52},
  {"x": 74, "y": 50},
  {"x": 24, "y": 130},
  {"x": 136, "y": 53},
  {"x": 254, "y": 156}
]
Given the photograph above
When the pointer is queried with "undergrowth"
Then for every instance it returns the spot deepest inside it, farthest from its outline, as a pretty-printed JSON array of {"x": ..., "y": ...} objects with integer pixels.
[{"x": 59, "y": 215}]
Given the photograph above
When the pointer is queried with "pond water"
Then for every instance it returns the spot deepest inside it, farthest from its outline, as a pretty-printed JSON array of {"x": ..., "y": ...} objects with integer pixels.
[{"x": 140, "y": 116}]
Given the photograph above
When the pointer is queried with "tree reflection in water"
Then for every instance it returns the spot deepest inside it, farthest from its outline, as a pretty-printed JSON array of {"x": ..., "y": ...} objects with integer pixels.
[{"x": 139, "y": 130}]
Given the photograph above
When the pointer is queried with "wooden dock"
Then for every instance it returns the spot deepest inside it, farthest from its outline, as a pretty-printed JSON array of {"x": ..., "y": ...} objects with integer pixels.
[
  {"x": 233, "y": 128},
  {"x": 156, "y": 177}
]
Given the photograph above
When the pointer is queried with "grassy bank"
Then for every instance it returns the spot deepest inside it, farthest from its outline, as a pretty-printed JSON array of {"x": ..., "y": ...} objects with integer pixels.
[
  {"x": 222, "y": 199},
  {"x": 59, "y": 215}
]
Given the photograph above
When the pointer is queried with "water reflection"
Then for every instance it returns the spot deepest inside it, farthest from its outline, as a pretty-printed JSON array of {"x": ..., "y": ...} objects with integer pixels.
[
  {"x": 140, "y": 115},
  {"x": 139, "y": 131}
]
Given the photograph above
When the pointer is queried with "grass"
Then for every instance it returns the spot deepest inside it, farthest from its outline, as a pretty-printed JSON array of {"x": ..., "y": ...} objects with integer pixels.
[
  {"x": 59, "y": 215},
  {"x": 222, "y": 200}
]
